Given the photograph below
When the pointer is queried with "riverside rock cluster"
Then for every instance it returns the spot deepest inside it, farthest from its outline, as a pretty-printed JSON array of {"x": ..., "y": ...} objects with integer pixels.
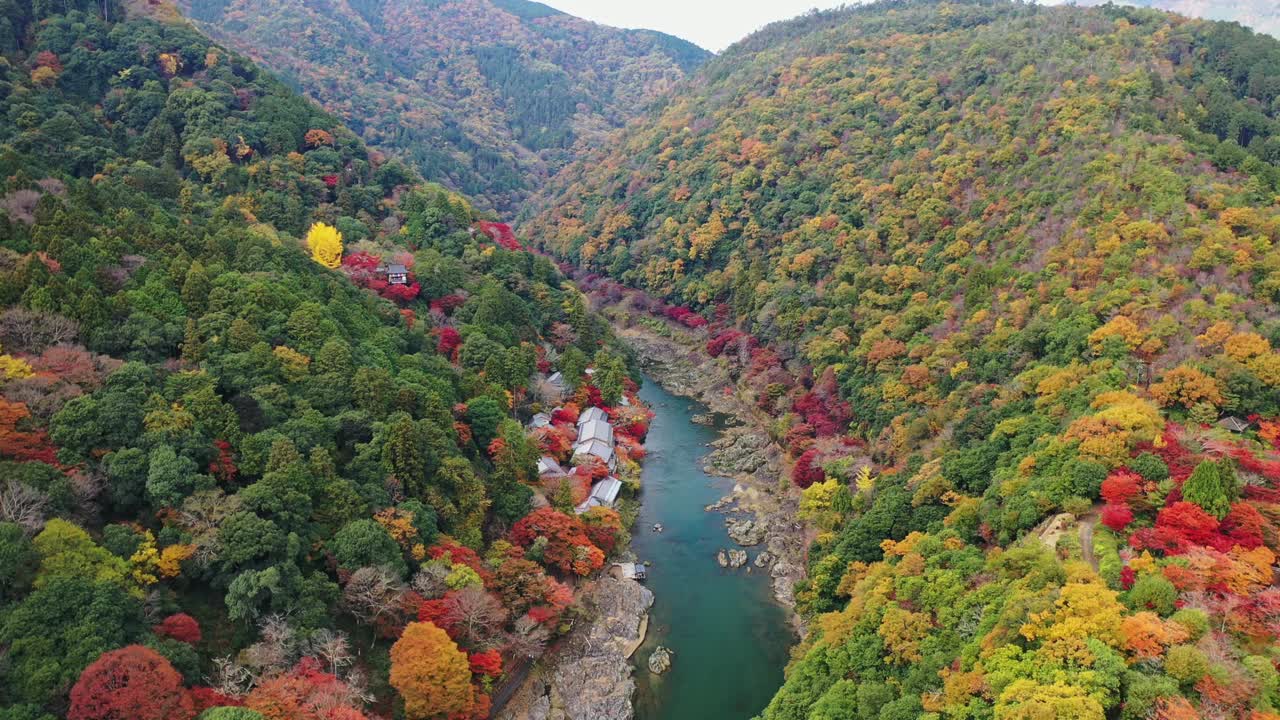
[{"x": 589, "y": 677}]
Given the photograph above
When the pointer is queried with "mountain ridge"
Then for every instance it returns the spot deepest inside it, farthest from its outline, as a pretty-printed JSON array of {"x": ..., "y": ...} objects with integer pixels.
[{"x": 485, "y": 97}]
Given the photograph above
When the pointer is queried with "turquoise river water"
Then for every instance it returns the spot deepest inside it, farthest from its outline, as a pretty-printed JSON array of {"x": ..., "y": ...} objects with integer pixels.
[{"x": 729, "y": 636}]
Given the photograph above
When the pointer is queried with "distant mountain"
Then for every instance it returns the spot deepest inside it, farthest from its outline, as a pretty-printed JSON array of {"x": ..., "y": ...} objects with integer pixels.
[
  {"x": 1261, "y": 15},
  {"x": 486, "y": 96}
]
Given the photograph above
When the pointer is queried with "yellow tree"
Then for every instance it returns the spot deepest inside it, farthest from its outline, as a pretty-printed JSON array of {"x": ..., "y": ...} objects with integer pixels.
[
  {"x": 902, "y": 632},
  {"x": 1085, "y": 608},
  {"x": 704, "y": 239},
  {"x": 12, "y": 368},
  {"x": 1186, "y": 386},
  {"x": 325, "y": 243},
  {"x": 1029, "y": 700},
  {"x": 1119, "y": 326},
  {"x": 431, "y": 673}
]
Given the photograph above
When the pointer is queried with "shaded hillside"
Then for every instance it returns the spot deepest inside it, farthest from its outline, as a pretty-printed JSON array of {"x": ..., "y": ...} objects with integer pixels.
[
  {"x": 985, "y": 263},
  {"x": 239, "y": 458},
  {"x": 486, "y": 97}
]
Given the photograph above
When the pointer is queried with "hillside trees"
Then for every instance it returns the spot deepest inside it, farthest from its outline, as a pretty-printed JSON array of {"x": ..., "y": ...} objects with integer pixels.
[
  {"x": 1018, "y": 284},
  {"x": 199, "y": 420},
  {"x": 480, "y": 96}
]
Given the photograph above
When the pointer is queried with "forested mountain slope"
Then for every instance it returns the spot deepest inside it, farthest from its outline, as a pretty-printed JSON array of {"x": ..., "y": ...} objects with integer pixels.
[
  {"x": 985, "y": 263},
  {"x": 237, "y": 460},
  {"x": 485, "y": 96},
  {"x": 1261, "y": 15}
]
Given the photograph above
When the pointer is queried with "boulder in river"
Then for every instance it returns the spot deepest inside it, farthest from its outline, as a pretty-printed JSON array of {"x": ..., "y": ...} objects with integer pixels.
[
  {"x": 660, "y": 660},
  {"x": 740, "y": 452},
  {"x": 721, "y": 504},
  {"x": 722, "y": 557},
  {"x": 737, "y": 558},
  {"x": 764, "y": 558},
  {"x": 744, "y": 531}
]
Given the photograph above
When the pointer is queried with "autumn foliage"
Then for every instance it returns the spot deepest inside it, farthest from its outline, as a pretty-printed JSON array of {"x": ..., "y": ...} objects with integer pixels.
[
  {"x": 325, "y": 243},
  {"x": 430, "y": 672},
  {"x": 1116, "y": 517},
  {"x": 132, "y": 683},
  {"x": 500, "y": 233},
  {"x": 806, "y": 471},
  {"x": 568, "y": 549},
  {"x": 19, "y": 443},
  {"x": 181, "y": 627},
  {"x": 487, "y": 663},
  {"x": 368, "y": 271},
  {"x": 305, "y": 692}
]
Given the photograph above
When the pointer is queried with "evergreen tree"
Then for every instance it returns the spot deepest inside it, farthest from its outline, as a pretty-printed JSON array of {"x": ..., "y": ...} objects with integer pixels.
[{"x": 1210, "y": 488}]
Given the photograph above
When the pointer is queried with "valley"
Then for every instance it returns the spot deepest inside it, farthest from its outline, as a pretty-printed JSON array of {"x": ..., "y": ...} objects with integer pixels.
[
  {"x": 489, "y": 97},
  {"x": 467, "y": 359}
]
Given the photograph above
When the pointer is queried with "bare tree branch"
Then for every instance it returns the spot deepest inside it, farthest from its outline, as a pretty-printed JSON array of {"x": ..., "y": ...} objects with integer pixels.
[
  {"x": 372, "y": 594},
  {"x": 479, "y": 615},
  {"x": 22, "y": 504}
]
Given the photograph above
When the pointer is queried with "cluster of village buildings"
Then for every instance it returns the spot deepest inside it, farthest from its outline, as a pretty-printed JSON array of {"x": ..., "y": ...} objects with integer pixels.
[{"x": 595, "y": 440}]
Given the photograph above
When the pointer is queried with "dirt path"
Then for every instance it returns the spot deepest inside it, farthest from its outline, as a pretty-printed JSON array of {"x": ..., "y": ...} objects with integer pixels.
[{"x": 1086, "y": 540}]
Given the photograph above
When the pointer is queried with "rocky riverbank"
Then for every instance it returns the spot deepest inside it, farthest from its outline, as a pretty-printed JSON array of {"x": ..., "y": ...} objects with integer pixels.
[
  {"x": 759, "y": 510},
  {"x": 589, "y": 676}
]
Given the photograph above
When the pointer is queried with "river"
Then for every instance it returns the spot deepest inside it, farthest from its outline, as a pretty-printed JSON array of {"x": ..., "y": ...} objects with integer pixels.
[{"x": 730, "y": 638}]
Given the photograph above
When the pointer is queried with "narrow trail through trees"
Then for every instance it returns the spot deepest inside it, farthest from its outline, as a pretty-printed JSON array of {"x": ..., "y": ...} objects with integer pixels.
[{"x": 1087, "y": 524}]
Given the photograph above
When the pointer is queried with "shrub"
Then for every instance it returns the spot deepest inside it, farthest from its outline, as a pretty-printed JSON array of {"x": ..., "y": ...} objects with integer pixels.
[
  {"x": 1186, "y": 664},
  {"x": 181, "y": 627},
  {"x": 1144, "y": 693},
  {"x": 1152, "y": 592},
  {"x": 1117, "y": 517},
  {"x": 806, "y": 472},
  {"x": 1150, "y": 467},
  {"x": 1194, "y": 621}
]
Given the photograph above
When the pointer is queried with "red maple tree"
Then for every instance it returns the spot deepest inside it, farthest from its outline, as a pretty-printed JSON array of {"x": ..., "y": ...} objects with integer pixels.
[
  {"x": 181, "y": 627},
  {"x": 806, "y": 472},
  {"x": 487, "y": 663},
  {"x": 132, "y": 683}
]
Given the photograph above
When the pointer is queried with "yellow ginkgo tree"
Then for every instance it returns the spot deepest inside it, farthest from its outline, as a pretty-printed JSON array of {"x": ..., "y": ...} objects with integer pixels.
[
  {"x": 13, "y": 368},
  {"x": 325, "y": 243}
]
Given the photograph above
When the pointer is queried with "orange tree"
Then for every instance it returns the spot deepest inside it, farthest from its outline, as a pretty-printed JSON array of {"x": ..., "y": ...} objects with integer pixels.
[{"x": 430, "y": 672}]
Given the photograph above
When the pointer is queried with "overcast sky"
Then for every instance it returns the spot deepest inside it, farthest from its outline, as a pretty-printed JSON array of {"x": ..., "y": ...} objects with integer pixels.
[{"x": 713, "y": 24}]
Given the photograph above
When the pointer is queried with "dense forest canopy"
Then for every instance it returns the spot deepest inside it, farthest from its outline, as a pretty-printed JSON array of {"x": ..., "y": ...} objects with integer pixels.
[
  {"x": 486, "y": 97},
  {"x": 1002, "y": 280},
  {"x": 998, "y": 272},
  {"x": 243, "y": 472}
]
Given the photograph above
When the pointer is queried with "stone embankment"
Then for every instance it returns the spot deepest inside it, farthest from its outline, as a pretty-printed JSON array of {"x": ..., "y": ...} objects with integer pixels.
[{"x": 589, "y": 676}]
